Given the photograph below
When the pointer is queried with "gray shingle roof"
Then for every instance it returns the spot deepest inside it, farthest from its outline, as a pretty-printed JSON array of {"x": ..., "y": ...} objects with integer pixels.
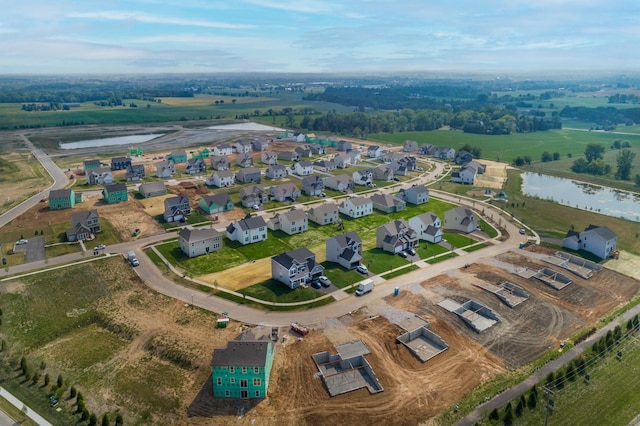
[{"x": 241, "y": 353}]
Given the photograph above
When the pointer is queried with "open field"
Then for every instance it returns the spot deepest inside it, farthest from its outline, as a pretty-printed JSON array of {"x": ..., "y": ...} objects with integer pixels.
[{"x": 21, "y": 176}]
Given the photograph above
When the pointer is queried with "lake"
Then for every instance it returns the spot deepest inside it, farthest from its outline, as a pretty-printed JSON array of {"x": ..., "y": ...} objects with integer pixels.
[
  {"x": 120, "y": 140},
  {"x": 586, "y": 196}
]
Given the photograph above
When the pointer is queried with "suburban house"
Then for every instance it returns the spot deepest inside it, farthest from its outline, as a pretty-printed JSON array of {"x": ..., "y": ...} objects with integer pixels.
[
  {"x": 324, "y": 214},
  {"x": 313, "y": 186},
  {"x": 363, "y": 177},
  {"x": 302, "y": 168},
  {"x": 303, "y": 151},
  {"x": 276, "y": 171},
  {"x": 248, "y": 175},
  {"x": 428, "y": 227},
  {"x": 387, "y": 203},
  {"x": 152, "y": 189},
  {"x": 382, "y": 172},
  {"x": 374, "y": 151},
  {"x": 63, "y": 199},
  {"x": 480, "y": 168},
  {"x": 344, "y": 146},
  {"x": 598, "y": 240},
  {"x": 427, "y": 149},
  {"x": 221, "y": 179},
  {"x": 217, "y": 203},
  {"x": 260, "y": 144},
  {"x": 460, "y": 219},
  {"x": 355, "y": 156},
  {"x": 100, "y": 176},
  {"x": 325, "y": 165},
  {"x": 120, "y": 163},
  {"x": 135, "y": 173},
  {"x": 342, "y": 161},
  {"x": 242, "y": 147},
  {"x": 402, "y": 166},
  {"x": 244, "y": 160},
  {"x": 84, "y": 225},
  {"x": 176, "y": 208},
  {"x": 396, "y": 236},
  {"x": 177, "y": 157},
  {"x": 220, "y": 162},
  {"x": 242, "y": 369},
  {"x": 299, "y": 137},
  {"x": 199, "y": 241},
  {"x": 165, "y": 169},
  {"x": 462, "y": 157},
  {"x": 340, "y": 183},
  {"x": 445, "y": 153},
  {"x": 317, "y": 149},
  {"x": 296, "y": 267},
  {"x": 222, "y": 150},
  {"x": 417, "y": 194},
  {"x": 465, "y": 175},
  {"x": 292, "y": 222},
  {"x": 345, "y": 249},
  {"x": 248, "y": 230},
  {"x": 288, "y": 156},
  {"x": 90, "y": 165},
  {"x": 269, "y": 158},
  {"x": 202, "y": 154},
  {"x": 196, "y": 166},
  {"x": 284, "y": 192},
  {"x": 410, "y": 146},
  {"x": 253, "y": 195},
  {"x": 115, "y": 193},
  {"x": 390, "y": 156},
  {"x": 356, "y": 207}
]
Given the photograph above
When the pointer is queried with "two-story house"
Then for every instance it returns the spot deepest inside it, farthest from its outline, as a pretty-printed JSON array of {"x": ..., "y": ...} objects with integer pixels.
[
  {"x": 178, "y": 157},
  {"x": 313, "y": 185},
  {"x": 387, "y": 203},
  {"x": 63, "y": 199},
  {"x": 260, "y": 144},
  {"x": 291, "y": 222},
  {"x": 120, "y": 163},
  {"x": 340, "y": 183},
  {"x": 248, "y": 230},
  {"x": 248, "y": 175},
  {"x": 152, "y": 189},
  {"x": 356, "y": 207},
  {"x": 344, "y": 146},
  {"x": 444, "y": 153},
  {"x": 242, "y": 147},
  {"x": 276, "y": 171},
  {"x": 427, "y": 149},
  {"x": 342, "y": 161},
  {"x": 115, "y": 193},
  {"x": 463, "y": 157},
  {"x": 176, "y": 208},
  {"x": 345, "y": 249},
  {"x": 242, "y": 369},
  {"x": 220, "y": 162},
  {"x": 135, "y": 173},
  {"x": 284, "y": 192},
  {"x": 83, "y": 225},
  {"x": 244, "y": 160},
  {"x": 466, "y": 175},
  {"x": 216, "y": 203},
  {"x": 460, "y": 219},
  {"x": 296, "y": 267},
  {"x": 253, "y": 195},
  {"x": 382, "y": 172},
  {"x": 165, "y": 169},
  {"x": 428, "y": 227},
  {"x": 417, "y": 194},
  {"x": 221, "y": 179},
  {"x": 363, "y": 177},
  {"x": 199, "y": 241},
  {"x": 598, "y": 240},
  {"x": 222, "y": 150},
  {"x": 396, "y": 236},
  {"x": 324, "y": 214},
  {"x": 303, "y": 151},
  {"x": 100, "y": 176},
  {"x": 302, "y": 168},
  {"x": 89, "y": 165},
  {"x": 375, "y": 151},
  {"x": 196, "y": 166},
  {"x": 269, "y": 158},
  {"x": 325, "y": 165},
  {"x": 288, "y": 156},
  {"x": 410, "y": 146}
]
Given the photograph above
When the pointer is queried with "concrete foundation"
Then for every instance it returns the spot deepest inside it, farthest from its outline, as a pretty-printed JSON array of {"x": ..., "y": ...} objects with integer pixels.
[
  {"x": 510, "y": 293},
  {"x": 553, "y": 278},
  {"x": 423, "y": 343},
  {"x": 581, "y": 267},
  {"x": 476, "y": 315}
]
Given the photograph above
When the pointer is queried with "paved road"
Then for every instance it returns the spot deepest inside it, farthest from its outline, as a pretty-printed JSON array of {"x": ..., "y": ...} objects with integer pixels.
[
  {"x": 513, "y": 393},
  {"x": 7, "y": 420}
]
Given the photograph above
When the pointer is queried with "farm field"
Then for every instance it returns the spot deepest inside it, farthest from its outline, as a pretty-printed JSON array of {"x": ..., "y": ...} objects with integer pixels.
[{"x": 21, "y": 176}]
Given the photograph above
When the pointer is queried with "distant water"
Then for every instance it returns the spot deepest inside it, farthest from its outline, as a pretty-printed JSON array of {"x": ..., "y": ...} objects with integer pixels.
[
  {"x": 586, "y": 196},
  {"x": 120, "y": 140},
  {"x": 247, "y": 126}
]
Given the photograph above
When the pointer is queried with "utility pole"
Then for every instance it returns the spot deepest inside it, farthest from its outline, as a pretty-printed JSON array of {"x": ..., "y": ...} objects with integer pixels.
[{"x": 549, "y": 394}]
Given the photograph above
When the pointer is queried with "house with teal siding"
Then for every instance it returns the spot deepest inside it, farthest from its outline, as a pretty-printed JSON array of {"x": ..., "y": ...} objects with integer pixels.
[
  {"x": 242, "y": 369},
  {"x": 63, "y": 199},
  {"x": 115, "y": 193},
  {"x": 216, "y": 203},
  {"x": 177, "y": 157}
]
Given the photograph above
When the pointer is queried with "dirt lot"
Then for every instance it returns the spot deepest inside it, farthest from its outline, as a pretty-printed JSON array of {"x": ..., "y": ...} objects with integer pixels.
[{"x": 494, "y": 177}]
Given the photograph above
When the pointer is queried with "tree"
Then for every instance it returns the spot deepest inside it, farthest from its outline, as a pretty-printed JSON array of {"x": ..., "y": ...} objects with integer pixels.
[
  {"x": 105, "y": 417},
  {"x": 520, "y": 406},
  {"x": 59, "y": 382},
  {"x": 532, "y": 401},
  {"x": 79, "y": 397},
  {"x": 570, "y": 373},
  {"x": 493, "y": 415},
  {"x": 560, "y": 380},
  {"x": 23, "y": 363},
  {"x": 593, "y": 151},
  {"x": 85, "y": 415},
  {"x": 624, "y": 160},
  {"x": 556, "y": 156},
  {"x": 36, "y": 378},
  {"x": 47, "y": 379},
  {"x": 546, "y": 157},
  {"x": 93, "y": 419},
  {"x": 508, "y": 415},
  {"x": 119, "y": 420},
  {"x": 81, "y": 406},
  {"x": 549, "y": 380},
  {"x": 72, "y": 392}
]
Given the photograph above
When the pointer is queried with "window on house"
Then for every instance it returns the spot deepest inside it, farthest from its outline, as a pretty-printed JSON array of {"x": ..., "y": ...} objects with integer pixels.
[
  {"x": 256, "y": 370},
  {"x": 257, "y": 394},
  {"x": 244, "y": 383},
  {"x": 256, "y": 382},
  {"x": 232, "y": 370},
  {"x": 244, "y": 370},
  {"x": 219, "y": 381},
  {"x": 232, "y": 381},
  {"x": 227, "y": 393}
]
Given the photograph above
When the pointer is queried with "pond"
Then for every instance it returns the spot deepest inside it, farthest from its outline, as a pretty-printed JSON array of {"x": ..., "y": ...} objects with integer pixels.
[
  {"x": 120, "y": 140},
  {"x": 586, "y": 196}
]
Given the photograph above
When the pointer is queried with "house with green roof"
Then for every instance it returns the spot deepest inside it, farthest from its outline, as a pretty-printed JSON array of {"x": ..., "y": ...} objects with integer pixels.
[
  {"x": 115, "y": 193},
  {"x": 242, "y": 369}
]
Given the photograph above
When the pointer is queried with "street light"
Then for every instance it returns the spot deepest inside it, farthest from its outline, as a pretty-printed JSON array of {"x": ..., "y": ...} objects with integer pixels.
[{"x": 192, "y": 300}]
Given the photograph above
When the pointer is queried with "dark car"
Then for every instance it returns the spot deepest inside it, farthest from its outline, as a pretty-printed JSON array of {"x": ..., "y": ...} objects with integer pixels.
[
  {"x": 316, "y": 284},
  {"x": 402, "y": 254},
  {"x": 411, "y": 251}
]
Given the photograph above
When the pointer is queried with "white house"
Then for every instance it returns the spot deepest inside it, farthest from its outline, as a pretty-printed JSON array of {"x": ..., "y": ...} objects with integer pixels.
[
  {"x": 465, "y": 175},
  {"x": 302, "y": 168},
  {"x": 242, "y": 147},
  {"x": 223, "y": 149},
  {"x": 428, "y": 227},
  {"x": 269, "y": 158},
  {"x": 598, "y": 240},
  {"x": 291, "y": 222},
  {"x": 356, "y": 207},
  {"x": 460, "y": 219},
  {"x": 363, "y": 177},
  {"x": 248, "y": 230},
  {"x": 374, "y": 151},
  {"x": 343, "y": 161},
  {"x": 221, "y": 178},
  {"x": 445, "y": 153},
  {"x": 276, "y": 171}
]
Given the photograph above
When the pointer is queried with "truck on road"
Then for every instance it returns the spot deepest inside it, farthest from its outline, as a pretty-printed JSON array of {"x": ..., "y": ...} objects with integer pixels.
[
  {"x": 132, "y": 259},
  {"x": 365, "y": 287}
]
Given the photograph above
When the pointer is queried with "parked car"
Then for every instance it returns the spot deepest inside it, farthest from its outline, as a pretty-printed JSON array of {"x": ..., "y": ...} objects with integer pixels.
[
  {"x": 20, "y": 242},
  {"x": 523, "y": 231},
  {"x": 326, "y": 282},
  {"x": 316, "y": 284},
  {"x": 410, "y": 251},
  {"x": 101, "y": 247},
  {"x": 402, "y": 254},
  {"x": 362, "y": 269}
]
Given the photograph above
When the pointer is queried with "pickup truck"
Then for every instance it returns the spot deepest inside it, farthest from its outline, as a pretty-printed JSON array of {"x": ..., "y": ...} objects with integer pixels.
[{"x": 132, "y": 259}]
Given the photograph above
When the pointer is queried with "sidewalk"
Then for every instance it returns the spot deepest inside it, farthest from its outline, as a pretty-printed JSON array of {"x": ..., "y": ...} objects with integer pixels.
[{"x": 20, "y": 406}]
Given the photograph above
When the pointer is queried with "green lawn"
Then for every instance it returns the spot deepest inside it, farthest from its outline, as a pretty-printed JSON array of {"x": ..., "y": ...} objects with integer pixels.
[
  {"x": 379, "y": 261},
  {"x": 275, "y": 291},
  {"x": 399, "y": 272},
  {"x": 426, "y": 250},
  {"x": 340, "y": 276}
]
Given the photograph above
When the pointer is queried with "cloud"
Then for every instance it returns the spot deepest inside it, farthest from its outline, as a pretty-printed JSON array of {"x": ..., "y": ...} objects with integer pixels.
[{"x": 154, "y": 19}]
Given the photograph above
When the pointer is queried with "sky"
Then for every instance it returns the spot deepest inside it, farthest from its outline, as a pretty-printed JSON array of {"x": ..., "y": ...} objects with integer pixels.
[{"x": 317, "y": 36}]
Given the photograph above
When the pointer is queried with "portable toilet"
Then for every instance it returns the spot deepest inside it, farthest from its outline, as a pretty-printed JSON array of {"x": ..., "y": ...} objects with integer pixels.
[{"x": 396, "y": 291}]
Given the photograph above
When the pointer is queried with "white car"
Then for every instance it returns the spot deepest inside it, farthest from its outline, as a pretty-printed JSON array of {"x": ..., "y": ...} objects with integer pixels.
[
  {"x": 523, "y": 231},
  {"x": 362, "y": 269},
  {"x": 20, "y": 242},
  {"x": 326, "y": 282},
  {"x": 101, "y": 247}
]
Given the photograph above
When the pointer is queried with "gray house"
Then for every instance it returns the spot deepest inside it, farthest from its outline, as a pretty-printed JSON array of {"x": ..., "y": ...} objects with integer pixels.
[
  {"x": 387, "y": 203},
  {"x": 253, "y": 195},
  {"x": 269, "y": 157},
  {"x": 410, "y": 146},
  {"x": 244, "y": 160},
  {"x": 313, "y": 185},
  {"x": 276, "y": 171},
  {"x": 295, "y": 267},
  {"x": 324, "y": 214},
  {"x": 135, "y": 173},
  {"x": 83, "y": 225},
  {"x": 196, "y": 166},
  {"x": 176, "y": 208},
  {"x": 340, "y": 183},
  {"x": 325, "y": 165},
  {"x": 344, "y": 146},
  {"x": 396, "y": 236},
  {"x": 291, "y": 222},
  {"x": 165, "y": 169},
  {"x": 288, "y": 156},
  {"x": 152, "y": 189},
  {"x": 417, "y": 194},
  {"x": 199, "y": 241},
  {"x": 248, "y": 175},
  {"x": 220, "y": 162},
  {"x": 345, "y": 249},
  {"x": 284, "y": 192},
  {"x": 460, "y": 219},
  {"x": 120, "y": 163}
]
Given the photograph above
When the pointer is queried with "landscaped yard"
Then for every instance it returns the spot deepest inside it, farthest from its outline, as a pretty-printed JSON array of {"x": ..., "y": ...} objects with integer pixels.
[{"x": 274, "y": 291}]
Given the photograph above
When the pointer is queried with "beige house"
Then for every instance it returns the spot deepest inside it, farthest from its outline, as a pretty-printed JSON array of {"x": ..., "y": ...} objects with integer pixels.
[{"x": 199, "y": 241}]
